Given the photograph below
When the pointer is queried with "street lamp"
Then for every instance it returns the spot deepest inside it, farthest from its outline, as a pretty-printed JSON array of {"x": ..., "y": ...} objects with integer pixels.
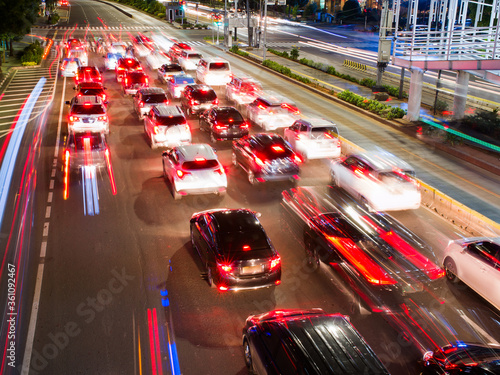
[{"x": 265, "y": 31}]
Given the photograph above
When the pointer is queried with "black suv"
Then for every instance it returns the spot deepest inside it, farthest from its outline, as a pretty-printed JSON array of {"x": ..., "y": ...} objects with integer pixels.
[
  {"x": 266, "y": 157},
  {"x": 235, "y": 249},
  {"x": 306, "y": 342},
  {"x": 196, "y": 99},
  {"x": 223, "y": 123}
]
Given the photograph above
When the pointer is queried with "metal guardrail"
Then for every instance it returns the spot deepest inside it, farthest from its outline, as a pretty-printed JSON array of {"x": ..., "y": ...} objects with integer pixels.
[{"x": 354, "y": 65}]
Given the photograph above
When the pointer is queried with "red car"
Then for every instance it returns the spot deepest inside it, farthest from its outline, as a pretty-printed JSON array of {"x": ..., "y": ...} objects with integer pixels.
[
  {"x": 88, "y": 74},
  {"x": 127, "y": 64}
]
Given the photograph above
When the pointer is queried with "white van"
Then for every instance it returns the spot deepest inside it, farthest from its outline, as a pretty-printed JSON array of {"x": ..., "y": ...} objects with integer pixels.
[{"x": 213, "y": 71}]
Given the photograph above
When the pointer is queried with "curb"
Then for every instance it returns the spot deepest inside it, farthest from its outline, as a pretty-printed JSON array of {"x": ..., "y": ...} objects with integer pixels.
[
  {"x": 117, "y": 8},
  {"x": 404, "y": 126}
]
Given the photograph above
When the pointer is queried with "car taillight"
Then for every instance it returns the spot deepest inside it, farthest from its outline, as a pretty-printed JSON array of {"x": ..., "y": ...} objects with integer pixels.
[
  {"x": 126, "y": 81},
  {"x": 259, "y": 162},
  {"x": 146, "y": 80},
  {"x": 215, "y": 101},
  {"x": 224, "y": 267},
  {"x": 103, "y": 96},
  {"x": 244, "y": 125},
  {"x": 73, "y": 118},
  {"x": 328, "y": 135},
  {"x": 219, "y": 170},
  {"x": 155, "y": 130},
  {"x": 141, "y": 104},
  {"x": 181, "y": 174},
  {"x": 102, "y": 118},
  {"x": 275, "y": 263},
  {"x": 296, "y": 159},
  {"x": 220, "y": 126}
]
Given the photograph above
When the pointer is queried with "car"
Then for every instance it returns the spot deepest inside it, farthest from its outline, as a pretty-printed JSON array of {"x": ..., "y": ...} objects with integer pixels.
[
  {"x": 194, "y": 169},
  {"x": 91, "y": 89},
  {"x": 378, "y": 257},
  {"x": 118, "y": 47},
  {"x": 213, "y": 71},
  {"x": 272, "y": 111},
  {"x": 133, "y": 81},
  {"x": 266, "y": 157},
  {"x": 111, "y": 60},
  {"x": 175, "y": 50},
  {"x": 87, "y": 113},
  {"x": 243, "y": 90},
  {"x": 85, "y": 149},
  {"x": 235, "y": 249},
  {"x": 88, "y": 74},
  {"x": 69, "y": 66},
  {"x": 476, "y": 262},
  {"x": 127, "y": 64},
  {"x": 223, "y": 123},
  {"x": 314, "y": 138},
  {"x": 79, "y": 54},
  {"x": 146, "y": 98},
  {"x": 64, "y": 3},
  {"x": 380, "y": 180},
  {"x": 166, "y": 126},
  {"x": 73, "y": 44},
  {"x": 177, "y": 83},
  {"x": 297, "y": 342},
  {"x": 462, "y": 358},
  {"x": 156, "y": 59},
  {"x": 141, "y": 50},
  {"x": 189, "y": 60},
  {"x": 169, "y": 70},
  {"x": 196, "y": 99}
]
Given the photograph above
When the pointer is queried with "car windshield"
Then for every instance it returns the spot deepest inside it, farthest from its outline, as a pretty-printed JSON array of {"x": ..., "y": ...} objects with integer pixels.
[
  {"x": 114, "y": 56},
  {"x": 95, "y": 109},
  {"x": 170, "y": 120},
  {"x": 136, "y": 78},
  {"x": 251, "y": 239},
  {"x": 93, "y": 139},
  {"x": 321, "y": 131},
  {"x": 222, "y": 66},
  {"x": 397, "y": 176},
  {"x": 230, "y": 115},
  {"x": 154, "y": 98},
  {"x": 204, "y": 95},
  {"x": 194, "y": 56},
  {"x": 199, "y": 164},
  {"x": 172, "y": 68}
]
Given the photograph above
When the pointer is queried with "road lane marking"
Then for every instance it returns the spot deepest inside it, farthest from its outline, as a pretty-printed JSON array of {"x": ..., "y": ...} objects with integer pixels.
[
  {"x": 49, "y": 197},
  {"x": 47, "y": 212},
  {"x": 478, "y": 329},
  {"x": 43, "y": 249}
]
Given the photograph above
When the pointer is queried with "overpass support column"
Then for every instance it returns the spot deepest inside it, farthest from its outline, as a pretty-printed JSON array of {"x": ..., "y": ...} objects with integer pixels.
[
  {"x": 460, "y": 98},
  {"x": 415, "y": 94}
]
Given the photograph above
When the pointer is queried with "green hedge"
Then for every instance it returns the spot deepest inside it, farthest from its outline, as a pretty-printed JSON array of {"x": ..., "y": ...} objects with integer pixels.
[
  {"x": 32, "y": 54},
  {"x": 285, "y": 70},
  {"x": 371, "y": 105}
]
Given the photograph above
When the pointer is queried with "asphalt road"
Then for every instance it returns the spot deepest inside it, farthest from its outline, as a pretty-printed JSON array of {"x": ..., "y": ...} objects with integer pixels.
[{"x": 122, "y": 290}]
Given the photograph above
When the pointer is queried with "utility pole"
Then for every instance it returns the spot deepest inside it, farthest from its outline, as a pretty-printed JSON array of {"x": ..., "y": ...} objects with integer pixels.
[
  {"x": 265, "y": 30},
  {"x": 250, "y": 28},
  {"x": 384, "y": 44}
]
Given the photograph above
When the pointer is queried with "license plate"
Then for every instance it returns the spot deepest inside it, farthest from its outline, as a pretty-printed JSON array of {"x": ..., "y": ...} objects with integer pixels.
[{"x": 251, "y": 270}]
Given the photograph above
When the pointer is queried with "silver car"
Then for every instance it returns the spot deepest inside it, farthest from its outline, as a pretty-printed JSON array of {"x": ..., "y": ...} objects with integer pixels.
[
  {"x": 166, "y": 126},
  {"x": 87, "y": 113},
  {"x": 176, "y": 84},
  {"x": 272, "y": 111},
  {"x": 194, "y": 169},
  {"x": 146, "y": 98}
]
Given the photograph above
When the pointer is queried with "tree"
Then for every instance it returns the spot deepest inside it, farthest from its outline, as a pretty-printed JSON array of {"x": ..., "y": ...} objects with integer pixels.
[{"x": 351, "y": 9}]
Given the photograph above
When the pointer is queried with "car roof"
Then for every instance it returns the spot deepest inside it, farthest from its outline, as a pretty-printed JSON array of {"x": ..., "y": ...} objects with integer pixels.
[
  {"x": 151, "y": 90},
  {"x": 317, "y": 122},
  {"x": 193, "y": 151},
  {"x": 182, "y": 77},
  {"x": 383, "y": 161},
  {"x": 92, "y": 99},
  {"x": 328, "y": 341},
  {"x": 201, "y": 87},
  {"x": 171, "y": 66},
  {"x": 274, "y": 98},
  {"x": 168, "y": 110},
  {"x": 233, "y": 220},
  {"x": 90, "y": 85},
  {"x": 215, "y": 59},
  {"x": 267, "y": 138}
]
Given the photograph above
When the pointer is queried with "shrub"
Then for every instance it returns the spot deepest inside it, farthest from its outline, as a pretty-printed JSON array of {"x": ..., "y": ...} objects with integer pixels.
[
  {"x": 485, "y": 122},
  {"x": 367, "y": 82},
  {"x": 372, "y": 105},
  {"x": 294, "y": 54},
  {"x": 32, "y": 54},
  {"x": 161, "y": 14},
  {"x": 440, "y": 106}
]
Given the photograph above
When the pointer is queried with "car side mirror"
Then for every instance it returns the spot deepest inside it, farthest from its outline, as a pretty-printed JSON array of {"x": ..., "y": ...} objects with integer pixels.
[
  {"x": 68, "y": 102},
  {"x": 164, "y": 154}
]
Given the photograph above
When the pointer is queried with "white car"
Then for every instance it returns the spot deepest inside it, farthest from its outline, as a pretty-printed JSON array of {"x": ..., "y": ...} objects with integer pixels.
[
  {"x": 80, "y": 55},
  {"x": 189, "y": 59},
  {"x": 380, "y": 180},
  {"x": 156, "y": 59},
  {"x": 141, "y": 50},
  {"x": 475, "y": 261},
  {"x": 111, "y": 59},
  {"x": 194, "y": 169},
  {"x": 166, "y": 126},
  {"x": 177, "y": 83},
  {"x": 69, "y": 67},
  {"x": 243, "y": 90},
  {"x": 314, "y": 138},
  {"x": 213, "y": 71},
  {"x": 118, "y": 47},
  {"x": 87, "y": 113},
  {"x": 272, "y": 111}
]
